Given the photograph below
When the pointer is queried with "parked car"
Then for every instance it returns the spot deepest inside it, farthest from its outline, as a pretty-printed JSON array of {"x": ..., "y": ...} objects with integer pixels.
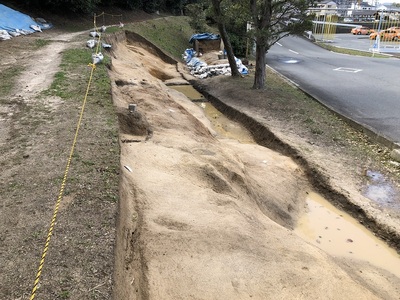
[
  {"x": 386, "y": 35},
  {"x": 362, "y": 30}
]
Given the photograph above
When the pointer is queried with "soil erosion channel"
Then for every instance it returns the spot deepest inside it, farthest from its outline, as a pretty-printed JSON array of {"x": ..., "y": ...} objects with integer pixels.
[
  {"x": 322, "y": 224},
  {"x": 208, "y": 217}
]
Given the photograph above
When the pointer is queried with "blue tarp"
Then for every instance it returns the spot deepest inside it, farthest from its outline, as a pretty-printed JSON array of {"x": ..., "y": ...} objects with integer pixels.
[
  {"x": 204, "y": 36},
  {"x": 11, "y": 20}
]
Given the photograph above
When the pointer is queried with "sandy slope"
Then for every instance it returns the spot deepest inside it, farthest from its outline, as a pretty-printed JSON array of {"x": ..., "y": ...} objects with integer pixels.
[{"x": 203, "y": 217}]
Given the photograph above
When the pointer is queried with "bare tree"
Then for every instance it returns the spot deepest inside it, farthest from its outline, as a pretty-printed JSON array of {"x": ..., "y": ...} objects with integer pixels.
[{"x": 272, "y": 20}]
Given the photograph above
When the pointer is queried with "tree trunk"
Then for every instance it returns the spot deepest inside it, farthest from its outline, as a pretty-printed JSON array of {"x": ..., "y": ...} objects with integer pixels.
[
  {"x": 260, "y": 74},
  {"x": 225, "y": 38},
  {"x": 229, "y": 50}
]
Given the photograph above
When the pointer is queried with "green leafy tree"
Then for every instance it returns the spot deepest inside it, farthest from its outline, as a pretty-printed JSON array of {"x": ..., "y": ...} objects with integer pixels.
[
  {"x": 236, "y": 21},
  {"x": 149, "y": 6},
  {"x": 174, "y": 6},
  {"x": 78, "y": 6},
  {"x": 86, "y": 6},
  {"x": 197, "y": 14}
]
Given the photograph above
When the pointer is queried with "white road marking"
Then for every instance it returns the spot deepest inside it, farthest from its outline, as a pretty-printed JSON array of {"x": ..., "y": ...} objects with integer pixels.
[
  {"x": 279, "y": 44},
  {"x": 349, "y": 70},
  {"x": 293, "y": 51}
]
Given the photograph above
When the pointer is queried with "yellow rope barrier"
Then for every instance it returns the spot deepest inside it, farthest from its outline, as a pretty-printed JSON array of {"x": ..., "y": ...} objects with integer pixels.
[
  {"x": 103, "y": 14},
  {"x": 106, "y": 14},
  {"x": 62, "y": 188}
]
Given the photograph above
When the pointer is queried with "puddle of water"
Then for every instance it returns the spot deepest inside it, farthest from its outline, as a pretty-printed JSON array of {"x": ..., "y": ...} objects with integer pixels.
[
  {"x": 380, "y": 190},
  {"x": 189, "y": 91},
  {"x": 339, "y": 234},
  {"x": 224, "y": 126},
  {"x": 290, "y": 60}
]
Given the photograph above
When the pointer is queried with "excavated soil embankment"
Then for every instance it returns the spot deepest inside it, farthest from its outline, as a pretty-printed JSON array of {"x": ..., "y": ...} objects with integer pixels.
[{"x": 206, "y": 217}]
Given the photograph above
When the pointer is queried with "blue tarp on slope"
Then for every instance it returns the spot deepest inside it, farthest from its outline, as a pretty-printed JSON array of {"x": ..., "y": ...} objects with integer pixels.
[
  {"x": 204, "y": 36},
  {"x": 11, "y": 20}
]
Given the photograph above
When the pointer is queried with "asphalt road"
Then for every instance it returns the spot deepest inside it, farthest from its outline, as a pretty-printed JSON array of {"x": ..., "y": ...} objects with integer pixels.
[
  {"x": 364, "y": 89},
  {"x": 350, "y": 41},
  {"x": 363, "y": 43}
]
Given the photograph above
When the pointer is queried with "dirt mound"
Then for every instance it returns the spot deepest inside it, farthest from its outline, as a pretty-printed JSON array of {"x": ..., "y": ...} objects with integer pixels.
[{"x": 206, "y": 217}]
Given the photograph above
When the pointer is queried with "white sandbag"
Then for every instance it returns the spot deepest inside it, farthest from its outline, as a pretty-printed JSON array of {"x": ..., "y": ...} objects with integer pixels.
[
  {"x": 36, "y": 28},
  {"x": 24, "y": 32},
  {"x": 106, "y": 46},
  {"x": 94, "y": 34},
  {"x": 14, "y": 33},
  {"x": 97, "y": 58},
  {"x": 41, "y": 20},
  {"x": 4, "y": 35},
  {"x": 91, "y": 44}
]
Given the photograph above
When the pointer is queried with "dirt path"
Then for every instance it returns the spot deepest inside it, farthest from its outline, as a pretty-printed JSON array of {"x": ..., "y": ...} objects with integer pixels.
[
  {"x": 39, "y": 66},
  {"x": 43, "y": 65}
]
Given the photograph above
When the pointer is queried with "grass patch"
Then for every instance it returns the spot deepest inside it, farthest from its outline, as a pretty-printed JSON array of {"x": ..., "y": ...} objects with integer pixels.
[
  {"x": 71, "y": 81},
  {"x": 58, "y": 87},
  {"x": 171, "y": 34},
  {"x": 64, "y": 295},
  {"x": 39, "y": 43},
  {"x": 290, "y": 109},
  {"x": 350, "y": 51},
  {"x": 113, "y": 29},
  {"x": 7, "y": 81}
]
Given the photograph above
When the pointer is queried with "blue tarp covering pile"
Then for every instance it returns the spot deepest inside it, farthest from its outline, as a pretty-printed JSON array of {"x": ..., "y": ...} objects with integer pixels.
[
  {"x": 204, "y": 36},
  {"x": 15, "y": 22}
]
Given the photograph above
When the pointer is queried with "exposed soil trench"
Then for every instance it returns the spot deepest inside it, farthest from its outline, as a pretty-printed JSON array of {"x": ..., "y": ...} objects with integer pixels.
[
  {"x": 205, "y": 217},
  {"x": 322, "y": 225}
]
